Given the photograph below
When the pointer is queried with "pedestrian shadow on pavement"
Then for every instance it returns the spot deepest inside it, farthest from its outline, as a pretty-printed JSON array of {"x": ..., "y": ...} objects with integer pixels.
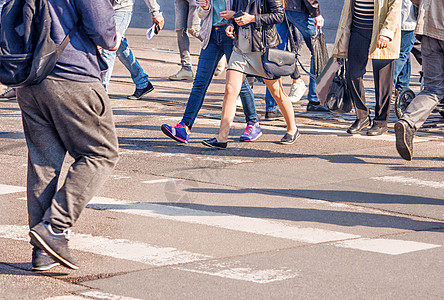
[
  {"x": 24, "y": 269},
  {"x": 335, "y": 217}
]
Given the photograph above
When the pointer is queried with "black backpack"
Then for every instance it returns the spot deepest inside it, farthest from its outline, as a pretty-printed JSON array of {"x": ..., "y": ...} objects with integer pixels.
[{"x": 27, "y": 52}]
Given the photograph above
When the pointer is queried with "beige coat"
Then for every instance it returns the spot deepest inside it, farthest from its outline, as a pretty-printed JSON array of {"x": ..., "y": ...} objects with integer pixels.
[
  {"x": 430, "y": 19},
  {"x": 387, "y": 22}
]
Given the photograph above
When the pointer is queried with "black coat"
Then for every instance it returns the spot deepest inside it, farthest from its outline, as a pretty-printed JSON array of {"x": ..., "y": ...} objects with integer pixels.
[{"x": 263, "y": 32}]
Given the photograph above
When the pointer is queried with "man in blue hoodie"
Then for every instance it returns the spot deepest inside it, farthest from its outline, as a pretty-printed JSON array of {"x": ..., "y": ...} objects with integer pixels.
[{"x": 69, "y": 112}]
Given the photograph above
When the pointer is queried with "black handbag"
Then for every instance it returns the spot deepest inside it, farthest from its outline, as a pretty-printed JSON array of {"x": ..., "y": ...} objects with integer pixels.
[
  {"x": 278, "y": 62},
  {"x": 320, "y": 52},
  {"x": 338, "y": 98}
]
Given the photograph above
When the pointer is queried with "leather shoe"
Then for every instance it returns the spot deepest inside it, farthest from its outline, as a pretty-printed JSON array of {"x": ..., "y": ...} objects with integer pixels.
[
  {"x": 213, "y": 143},
  {"x": 404, "y": 139},
  {"x": 358, "y": 125},
  {"x": 313, "y": 106},
  {"x": 377, "y": 130}
]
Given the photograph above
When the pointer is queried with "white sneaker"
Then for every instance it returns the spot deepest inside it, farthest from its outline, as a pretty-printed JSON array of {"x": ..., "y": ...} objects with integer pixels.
[
  {"x": 182, "y": 75},
  {"x": 238, "y": 101},
  {"x": 297, "y": 90}
]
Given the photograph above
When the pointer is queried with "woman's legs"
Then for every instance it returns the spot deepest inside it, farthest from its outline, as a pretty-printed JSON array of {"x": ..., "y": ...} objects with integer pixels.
[
  {"x": 232, "y": 88},
  {"x": 277, "y": 91}
]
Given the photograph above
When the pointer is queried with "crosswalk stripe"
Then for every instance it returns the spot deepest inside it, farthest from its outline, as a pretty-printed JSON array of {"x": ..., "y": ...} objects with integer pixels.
[
  {"x": 257, "y": 226},
  {"x": 158, "y": 256},
  {"x": 410, "y": 181},
  {"x": 117, "y": 248},
  {"x": 9, "y": 189},
  {"x": 237, "y": 270},
  {"x": 385, "y": 246},
  {"x": 220, "y": 220}
]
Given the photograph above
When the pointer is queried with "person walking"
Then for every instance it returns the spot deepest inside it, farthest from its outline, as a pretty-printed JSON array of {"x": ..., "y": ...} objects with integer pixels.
[
  {"x": 369, "y": 29},
  {"x": 253, "y": 31},
  {"x": 306, "y": 16},
  {"x": 187, "y": 22},
  {"x": 403, "y": 67},
  {"x": 215, "y": 15},
  {"x": 69, "y": 112},
  {"x": 430, "y": 29},
  {"x": 123, "y": 10}
]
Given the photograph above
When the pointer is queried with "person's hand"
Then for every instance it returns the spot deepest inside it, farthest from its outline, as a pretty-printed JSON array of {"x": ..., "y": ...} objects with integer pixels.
[
  {"x": 205, "y": 4},
  {"x": 245, "y": 19},
  {"x": 383, "y": 42},
  {"x": 319, "y": 21},
  {"x": 160, "y": 21},
  {"x": 230, "y": 31},
  {"x": 227, "y": 14},
  {"x": 118, "y": 41}
]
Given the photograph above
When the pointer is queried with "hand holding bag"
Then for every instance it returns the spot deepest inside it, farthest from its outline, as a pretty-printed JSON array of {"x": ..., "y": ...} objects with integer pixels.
[{"x": 338, "y": 98}]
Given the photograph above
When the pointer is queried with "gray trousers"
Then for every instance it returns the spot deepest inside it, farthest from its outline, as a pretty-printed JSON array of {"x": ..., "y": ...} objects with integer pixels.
[
  {"x": 60, "y": 117},
  {"x": 186, "y": 18},
  {"x": 433, "y": 66}
]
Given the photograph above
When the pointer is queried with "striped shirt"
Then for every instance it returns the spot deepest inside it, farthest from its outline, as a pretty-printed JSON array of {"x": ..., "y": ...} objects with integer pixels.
[{"x": 363, "y": 14}]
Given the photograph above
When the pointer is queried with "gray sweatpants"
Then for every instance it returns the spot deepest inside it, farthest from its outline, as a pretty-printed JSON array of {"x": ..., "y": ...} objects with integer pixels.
[
  {"x": 60, "y": 117},
  {"x": 433, "y": 66}
]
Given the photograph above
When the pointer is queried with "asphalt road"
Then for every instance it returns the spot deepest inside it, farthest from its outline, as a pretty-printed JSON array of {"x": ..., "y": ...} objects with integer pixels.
[{"x": 333, "y": 216}]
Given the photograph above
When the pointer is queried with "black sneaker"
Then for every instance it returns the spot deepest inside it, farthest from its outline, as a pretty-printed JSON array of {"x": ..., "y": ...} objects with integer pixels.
[
  {"x": 139, "y": 93},
  {"x": 273, "y": 115},
  {"x": 289, "y": 139},
  {"x": 314, "y": 106},
  {"x": 41, "y": 261},
  {"x": 404, "y": 139},
  {"x": 55, "y": 244},
  {"x": 213, "y": 143}
]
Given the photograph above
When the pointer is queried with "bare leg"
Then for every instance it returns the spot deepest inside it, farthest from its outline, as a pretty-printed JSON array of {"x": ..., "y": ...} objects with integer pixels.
[
  {"x": 277, "y": 91},
  {"x": 232, "y": 88}
]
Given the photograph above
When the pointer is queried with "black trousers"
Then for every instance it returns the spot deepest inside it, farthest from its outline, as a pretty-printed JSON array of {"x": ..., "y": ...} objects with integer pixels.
[{"x": 383, "y": 70}]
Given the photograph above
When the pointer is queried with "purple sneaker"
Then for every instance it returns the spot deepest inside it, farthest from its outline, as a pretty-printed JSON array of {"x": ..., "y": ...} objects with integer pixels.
[
  {"x": 180, "y": 132},
  {"x": 252, "y": 132}
]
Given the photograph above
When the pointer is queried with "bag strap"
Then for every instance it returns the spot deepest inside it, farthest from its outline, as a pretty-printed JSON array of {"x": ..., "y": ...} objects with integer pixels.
[{"x": 66, "y": 40}]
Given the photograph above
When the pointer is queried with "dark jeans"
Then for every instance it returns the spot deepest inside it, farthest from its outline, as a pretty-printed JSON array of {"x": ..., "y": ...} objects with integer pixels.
[
  {"x": 60, "y": 117},
  {"x": 433, "y": 66},
  {"x": 382, "y": 74},
  {"x": 218, "y": 45}
]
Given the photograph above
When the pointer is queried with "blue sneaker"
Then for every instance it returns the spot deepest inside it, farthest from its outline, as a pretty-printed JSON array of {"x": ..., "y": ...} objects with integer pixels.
[
  {"x": 180, "y": 132},
  {"x": 252, "y": 132}
]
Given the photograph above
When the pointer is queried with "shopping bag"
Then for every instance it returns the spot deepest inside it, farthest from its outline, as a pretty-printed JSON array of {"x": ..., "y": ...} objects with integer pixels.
[
  {"x": 320, "y": 52},
  {"x": 338, "y": 98},
  {"x": 325, "y": 78}
]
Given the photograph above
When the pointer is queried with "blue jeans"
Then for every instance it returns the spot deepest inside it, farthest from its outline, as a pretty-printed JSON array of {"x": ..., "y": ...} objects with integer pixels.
[
  {"x": 124, "y": 53},
  {"x": 402, "y": 64},
  {"x": 306, "y": 26},
  {"x": 186, "y": 18},
  {"x": 218, "y": 45}
]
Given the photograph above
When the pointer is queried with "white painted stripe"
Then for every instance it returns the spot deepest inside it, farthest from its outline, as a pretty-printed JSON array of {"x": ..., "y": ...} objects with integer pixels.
[
  {"x": 162, "y": 180},
  {"x": 189, "y": 157},
  {"x": 411, "y": 181},
  {"x": 70, "y": 297},
  {"x": 101, "y": 295},
  {"x": 9, "y": 189},
  {"x": 220, "y": 220},
  {"x": 385, "y": 246},
  {"x": 117, "y": 248},
  {"x": 156, "y": 256},
  {"x": 237, "y": 270},
  {"x": 251, "y": 225}
]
